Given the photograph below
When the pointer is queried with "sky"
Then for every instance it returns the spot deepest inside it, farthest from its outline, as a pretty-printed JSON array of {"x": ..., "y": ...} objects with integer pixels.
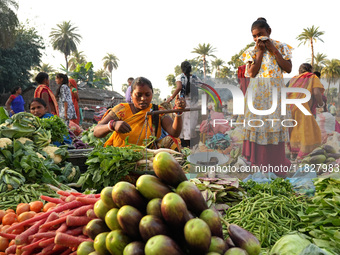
[{"x": 151, "y": 37}]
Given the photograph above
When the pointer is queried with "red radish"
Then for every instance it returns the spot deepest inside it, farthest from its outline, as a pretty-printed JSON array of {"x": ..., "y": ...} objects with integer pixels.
[
  {"x": 68, "y": 240},
  {"x": 66, "y": 206},
  {"x": 77, "y": 220},
  {"x": 82, "y": 210},
  {"x": 52, "y": 199},
  {"x": 87, "y": 200}
]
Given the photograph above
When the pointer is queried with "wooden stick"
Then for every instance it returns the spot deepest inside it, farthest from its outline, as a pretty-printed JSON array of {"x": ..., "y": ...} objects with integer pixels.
[{"x": 174, "y": 110}]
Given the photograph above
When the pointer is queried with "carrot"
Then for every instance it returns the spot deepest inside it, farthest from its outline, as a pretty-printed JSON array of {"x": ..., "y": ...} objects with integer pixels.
[
  {"x": 62, "y": 228},
  {"x": 11, "y": 249},
  {"x": 76, "y": 231},
  {"x": 68, "y": 240},
  {"x": 7, "y": 235},
  {"x": 45, "y": 234},
  {"x": 82, "y": 210},
  {"x": 66, "y": 252},
  {"x": 57, "y": 221},
  {"x": 23, "y": 237},
  {"x": 47, "y": 242},
  {"x": 60, "y": 208},
  {"x": 77, "y": 220},
  {"x": 70, "y": 198},
  {"x": 31, "y": 246},
  {"x": 51, "y": 217},
  {"x": 77, "y": 194},
  {"x": 87, "y": 200},
  {"x": 47, "y": 250},
  {"x": 63, "y": 193},
  {"x": 52, "y": 199}
]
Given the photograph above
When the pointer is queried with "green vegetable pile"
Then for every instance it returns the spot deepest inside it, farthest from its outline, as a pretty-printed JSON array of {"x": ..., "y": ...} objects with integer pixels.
[
  {"x": 56, "y": 126},
  {"x": 269, "y": 211},
  {"x": 322, "y": 217},
  {"x": 24, "y": 194},
  {"x": 88, "y": 137},
  {"x": 108, "y": 165}
]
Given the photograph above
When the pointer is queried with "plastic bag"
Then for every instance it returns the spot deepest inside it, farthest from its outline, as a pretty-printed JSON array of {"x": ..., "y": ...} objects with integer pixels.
[{"x": 302, "y": 181}]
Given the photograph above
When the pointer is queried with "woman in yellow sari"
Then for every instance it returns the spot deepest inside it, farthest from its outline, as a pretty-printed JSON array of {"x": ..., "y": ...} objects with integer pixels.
[
  {"x": 127, "y": 120},
  {"x": 306, "y": 135}
]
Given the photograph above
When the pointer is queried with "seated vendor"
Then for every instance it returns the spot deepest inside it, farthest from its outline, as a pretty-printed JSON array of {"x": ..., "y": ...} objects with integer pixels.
[{"x": 128, "y": 119}]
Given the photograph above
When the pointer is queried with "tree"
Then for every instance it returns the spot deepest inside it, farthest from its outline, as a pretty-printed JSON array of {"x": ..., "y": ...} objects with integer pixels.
[
  {"x": 124, "y": 87},
  {"x": 320, "y": 61},
  {"x": 9, "y": 23},
  {"x": 110, "y": 63},
  {"x": 333, "y": 92},
  {"x": 16, "y": 62},
  {"x": 77, "y": 57},
  {"x": 217, "y": 64},
  {"x": 204, "y": 51},
  {"x": 310, "y": 34},
  {"x": 65, "y": 39},
  {"x": 46, "y": 68},
  {"x": 235, "y": 61},
  {"x": 101, "y": 73},
  {"x": 331, "y": 72}
]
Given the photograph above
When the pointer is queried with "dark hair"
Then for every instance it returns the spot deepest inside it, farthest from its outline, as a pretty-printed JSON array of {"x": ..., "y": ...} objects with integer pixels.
[
  {"x": 186, "y": 69},
  {"x": 65, "y": 81},
  {"x": 15, "y": 90},
  {"x": 41, "y": 77},
  {"x": 305, "y": 67},
  {"x": 38, "y": 100},
  {"x": 317, "y": 74},
  {"x": 260, "y": 23},
  {"x": 141, "y": 81},
  {"x": 130, "y": 79}
]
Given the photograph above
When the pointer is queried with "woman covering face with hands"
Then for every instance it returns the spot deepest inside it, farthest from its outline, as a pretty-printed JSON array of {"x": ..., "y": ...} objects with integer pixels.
[{"x": 128, "y": 119}]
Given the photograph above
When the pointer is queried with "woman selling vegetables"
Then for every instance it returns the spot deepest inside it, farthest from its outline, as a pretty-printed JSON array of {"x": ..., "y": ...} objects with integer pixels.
[{"x": 127, "y": 119}]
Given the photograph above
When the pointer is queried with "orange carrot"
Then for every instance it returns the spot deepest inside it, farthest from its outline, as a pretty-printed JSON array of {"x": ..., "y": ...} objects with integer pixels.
[
  {"x": 63, "y": 193},
  {"x": 31, "y": 246},
  {"x": 47, "y": 242},
  {"x": 82, "y": 210},
  {"x": 57, "y": 221},
  {"x": 75, "y": 231},
  {"x": 45, "y": 234},
  {"x": 77, "y": 220},
  {"x": 62, "y": 228},
  {"x": 52, "y": 199},
  {"x": 8, "y": 236},
  {"x": 11, "y": 249},
  {"x": 23, "y": 237},
  {"x": 87, "y": 200},
  {"x": 68, "y": 240}
]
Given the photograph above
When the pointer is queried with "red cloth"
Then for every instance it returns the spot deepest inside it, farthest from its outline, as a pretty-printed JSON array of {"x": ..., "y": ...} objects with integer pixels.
[
  {"x": 42, "y": 88},
  {"x": 270, "y": 155},
  {"x": 220, "y": 126},
  {"x": 74, "y": 100},
  {"x": 242, "y": 80}
]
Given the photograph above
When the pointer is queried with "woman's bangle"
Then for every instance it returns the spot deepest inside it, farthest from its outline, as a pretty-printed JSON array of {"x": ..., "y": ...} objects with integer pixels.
[
  {"x": 179, "y": 114},
  {"x": 111, "y": 125},
  {"x": 320, "y": 106}
]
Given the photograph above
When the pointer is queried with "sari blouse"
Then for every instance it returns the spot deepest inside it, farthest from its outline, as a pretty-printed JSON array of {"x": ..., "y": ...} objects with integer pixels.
[{"x": 137, "y": 123}]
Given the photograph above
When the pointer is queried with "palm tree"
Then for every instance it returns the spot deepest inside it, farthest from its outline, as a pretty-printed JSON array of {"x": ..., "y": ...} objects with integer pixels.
[
  {"x": 110, "y": 62},
  {"x": 217, "y": 64},
  {"x": 204, "y": 51},
  {"x": 101, "y": 73},
  {"x": 8, "y": 24},
  {"x": 331, "y": 72},
  {"x": 320, "y": 60},
  {"x": 310, "y": 34},
  {"x": 65, "y": 39},
  {"x": 77, "y": 57}
]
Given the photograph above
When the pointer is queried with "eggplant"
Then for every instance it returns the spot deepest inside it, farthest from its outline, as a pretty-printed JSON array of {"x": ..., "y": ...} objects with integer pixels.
[{"x": 244, "y": 239}]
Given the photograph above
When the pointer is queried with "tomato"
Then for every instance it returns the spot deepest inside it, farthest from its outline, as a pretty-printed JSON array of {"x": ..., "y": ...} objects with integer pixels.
[
  {"x": 9, "y": 210},
  {"x": 22, "y": 207},
  {"x": 26, "y": 215},
  {"x": 36, "y": 206},
  {"x": 3, "y": 243},
  {"x": 48, "y": 206},
  {"x": 9, "y": 218},
  {"x": 2, "y": 214}
]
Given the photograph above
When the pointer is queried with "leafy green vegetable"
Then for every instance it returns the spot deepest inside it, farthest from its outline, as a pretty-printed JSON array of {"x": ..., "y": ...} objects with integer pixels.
[
  {"x": 3, "y": 115},
  {"x": 108, "y": 165},
  {"x": 279, "y": 186},
  {"x": 56, "y": 126}
]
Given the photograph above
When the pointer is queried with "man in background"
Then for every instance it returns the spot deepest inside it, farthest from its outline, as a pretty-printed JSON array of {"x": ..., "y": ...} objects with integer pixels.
[{"x": 128, "y": 91}]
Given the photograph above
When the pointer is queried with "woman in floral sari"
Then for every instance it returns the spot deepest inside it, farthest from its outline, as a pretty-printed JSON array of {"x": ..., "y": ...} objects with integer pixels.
[
  {"x": 306, "y": 135},
  {"x": 127, "y": 120}
]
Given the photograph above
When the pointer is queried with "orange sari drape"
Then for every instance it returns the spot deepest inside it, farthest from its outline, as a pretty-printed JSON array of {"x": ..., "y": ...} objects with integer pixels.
[
  {"x": 75, "y": 101},
  {"x": 306, "y": 135},
  {"x": 136, "y": 122},
  {"x": 37, "y": 94}
]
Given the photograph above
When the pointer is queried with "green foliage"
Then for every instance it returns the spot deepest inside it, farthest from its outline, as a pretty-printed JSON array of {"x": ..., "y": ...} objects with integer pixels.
[
  {"x": 56, "y": 126},
  {"x": 8, "y": 24},
  {"x": 17, "y": 61}
]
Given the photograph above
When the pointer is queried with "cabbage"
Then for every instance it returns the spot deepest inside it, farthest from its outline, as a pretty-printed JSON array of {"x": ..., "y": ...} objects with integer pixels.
[
  {"x": 312, "y": 249},
  {"x": 292, "y": 244}
]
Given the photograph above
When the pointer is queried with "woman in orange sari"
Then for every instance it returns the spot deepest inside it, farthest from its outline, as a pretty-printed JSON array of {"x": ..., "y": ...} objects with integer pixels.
[
  {"x": 306, "y": 135},
  {"x": 75, "y": 98},
  {"x": 127, "y": 120},
  {"x": 44, "y": 92}
]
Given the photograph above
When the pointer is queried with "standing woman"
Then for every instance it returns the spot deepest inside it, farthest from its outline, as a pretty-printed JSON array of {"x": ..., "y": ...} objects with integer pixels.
[
  {"x": 265, "y": 64},
  {"x": 15, "y": 102},
  {"x": 44, "y": 92},
  {"x": 75, "y": 98},
  {"x": 66, "y": 107},
  {"x": 184, "y": 82}
]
